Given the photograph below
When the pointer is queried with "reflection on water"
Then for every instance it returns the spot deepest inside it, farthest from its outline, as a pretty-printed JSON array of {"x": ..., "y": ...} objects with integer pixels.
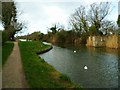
[{"x": 102, "y": 65}]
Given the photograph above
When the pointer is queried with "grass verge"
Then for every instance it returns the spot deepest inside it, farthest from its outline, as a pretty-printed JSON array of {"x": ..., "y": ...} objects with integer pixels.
[
  {"x": 6, "y": 50},
  {"x": 39, "y": 73}
]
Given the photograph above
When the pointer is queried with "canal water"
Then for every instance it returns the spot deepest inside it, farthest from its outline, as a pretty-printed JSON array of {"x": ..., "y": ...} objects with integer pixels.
[{"x": 102, "y": 65}]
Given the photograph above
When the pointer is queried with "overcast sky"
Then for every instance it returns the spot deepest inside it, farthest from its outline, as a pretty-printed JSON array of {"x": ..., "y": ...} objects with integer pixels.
[{"x": 42, "y": 14}]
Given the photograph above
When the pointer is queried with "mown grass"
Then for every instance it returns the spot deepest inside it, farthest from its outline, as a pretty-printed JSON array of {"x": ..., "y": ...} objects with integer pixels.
[
  {"x": 39, "y": 73},
  {"x": 6, "y": 50}
]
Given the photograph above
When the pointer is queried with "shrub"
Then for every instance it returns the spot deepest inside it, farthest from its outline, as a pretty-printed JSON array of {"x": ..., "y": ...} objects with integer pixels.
[
  {"x": 0, "y": 38},
  {"x": 4, "y": 37}
]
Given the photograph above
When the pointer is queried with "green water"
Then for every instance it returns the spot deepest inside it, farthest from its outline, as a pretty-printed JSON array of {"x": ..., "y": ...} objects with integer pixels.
[{"x": 102, "y": 65}]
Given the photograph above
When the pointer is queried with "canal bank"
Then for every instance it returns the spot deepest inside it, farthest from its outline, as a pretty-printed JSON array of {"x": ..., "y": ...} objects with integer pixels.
[
  {"x": 45, "y": 50},
  {"x": 40, "y": 74}
]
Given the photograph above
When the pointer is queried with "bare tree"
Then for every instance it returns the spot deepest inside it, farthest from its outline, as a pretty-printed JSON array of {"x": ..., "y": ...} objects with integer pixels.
[
  {"x": 84, "y": 21},
  {"x": 107, "y": 27},
  {"x": 118, "y": 21},
  {"x": 79, "y": 20},
  {"x": 98, "y": 12}
]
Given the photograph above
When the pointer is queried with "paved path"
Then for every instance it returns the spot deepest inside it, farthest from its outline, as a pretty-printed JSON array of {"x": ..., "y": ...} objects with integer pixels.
[{"x": 12, "y": 73}]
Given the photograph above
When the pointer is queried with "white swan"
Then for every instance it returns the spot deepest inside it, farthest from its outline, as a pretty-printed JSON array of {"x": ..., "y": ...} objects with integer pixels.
[
  {"x": 74, "y": 51},
  {"x": 85, "y": 67}
]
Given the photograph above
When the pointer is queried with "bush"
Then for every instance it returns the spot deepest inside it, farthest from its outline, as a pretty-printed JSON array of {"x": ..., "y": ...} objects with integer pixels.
[
  {"x": 0, "y": 38},
  {"x": 4, "y": 37},
  {"x": 6, "y": 50}
]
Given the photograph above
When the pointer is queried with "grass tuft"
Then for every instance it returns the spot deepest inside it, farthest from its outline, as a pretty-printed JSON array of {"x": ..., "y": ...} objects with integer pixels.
[
  {"x": 65, "y": 77},
  {"x": 6, "y": 50}
]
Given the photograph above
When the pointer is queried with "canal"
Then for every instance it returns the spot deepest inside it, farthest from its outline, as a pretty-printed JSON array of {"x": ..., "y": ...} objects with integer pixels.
[{"x": 102, "y": 65}]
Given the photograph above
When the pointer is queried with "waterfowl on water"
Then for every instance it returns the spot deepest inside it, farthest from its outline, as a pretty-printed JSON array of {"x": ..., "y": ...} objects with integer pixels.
[
  {"x": 85, "y": 67},
  {"x": 74, "y": 51}
]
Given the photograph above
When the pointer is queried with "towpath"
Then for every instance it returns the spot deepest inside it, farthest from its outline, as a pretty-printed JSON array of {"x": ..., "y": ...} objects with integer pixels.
[{"x": 12, "y": 73}]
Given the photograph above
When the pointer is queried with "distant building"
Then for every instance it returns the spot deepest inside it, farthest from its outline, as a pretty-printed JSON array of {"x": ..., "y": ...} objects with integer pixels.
[{"x": 119, "y": 8}]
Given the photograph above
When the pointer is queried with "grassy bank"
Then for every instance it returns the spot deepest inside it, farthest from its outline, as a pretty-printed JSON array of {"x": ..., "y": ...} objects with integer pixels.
[
  {"x": 6, "y": 50},
  {"x": 39, "y": 73}
]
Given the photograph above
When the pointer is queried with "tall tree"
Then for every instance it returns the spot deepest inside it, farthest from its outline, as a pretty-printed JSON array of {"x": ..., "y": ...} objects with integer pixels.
[
  {"x": 79, "y": 20},
  {"x": 97, "y": 14},
  {"x": 118, "y": 21},
  {"x": 9, "y": 19},
  {"x": 84, "y": 21},
  {"x": 8, "y": 13},
  {"x": 0, "y": 11}
]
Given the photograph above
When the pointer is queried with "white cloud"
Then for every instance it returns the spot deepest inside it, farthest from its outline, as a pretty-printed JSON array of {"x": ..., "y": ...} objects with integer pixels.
[
  {"x": 119, "y": 8},
  {"x": 55, "y": 14},
  {"x": 49, "y": 0},
  {"x": 41, "y": 16},
  {"x": 87, "y": 1}
]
